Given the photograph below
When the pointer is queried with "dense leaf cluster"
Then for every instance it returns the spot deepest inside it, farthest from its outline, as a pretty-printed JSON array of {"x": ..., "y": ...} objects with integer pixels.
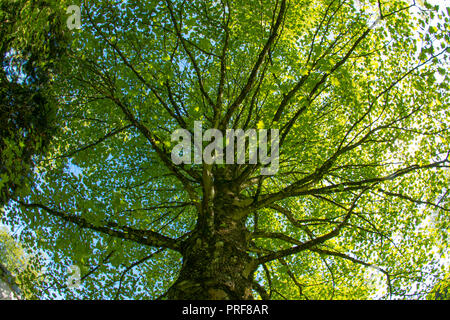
[{"x": 33, "y": 39}]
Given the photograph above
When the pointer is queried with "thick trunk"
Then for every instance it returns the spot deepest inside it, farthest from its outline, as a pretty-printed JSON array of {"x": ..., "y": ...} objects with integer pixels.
[{"x": 216, "y": 263}]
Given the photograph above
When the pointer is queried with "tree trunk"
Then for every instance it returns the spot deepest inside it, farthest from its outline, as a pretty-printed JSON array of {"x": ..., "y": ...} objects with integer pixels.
[{"x": 216, "y": 263}]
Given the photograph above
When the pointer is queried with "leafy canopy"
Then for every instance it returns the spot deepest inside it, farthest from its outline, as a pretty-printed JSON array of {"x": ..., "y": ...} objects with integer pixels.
[
  {"x": 359, "y": 91},
  {"x": 32, "y": 42}
]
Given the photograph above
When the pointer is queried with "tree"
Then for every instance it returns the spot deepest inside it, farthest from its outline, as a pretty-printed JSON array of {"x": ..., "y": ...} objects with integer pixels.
[
  {"x": 20, "y": 274},
  {"x": 359, "y": 94},
  {"x": 31, "y": 47},
  {"x": 441, "y": 290},
  {"x": 32, "y": 42}
]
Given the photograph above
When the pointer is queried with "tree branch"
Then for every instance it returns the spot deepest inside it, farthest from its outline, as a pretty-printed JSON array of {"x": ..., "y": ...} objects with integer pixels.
[
  {"x": 144, "y": 237},
  {"x": 252, "y": 77},
  {"x": 313, "y": 242}
]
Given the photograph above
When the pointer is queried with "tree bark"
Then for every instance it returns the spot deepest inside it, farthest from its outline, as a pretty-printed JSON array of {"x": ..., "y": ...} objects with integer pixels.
[{"x": 216, "y": 262}]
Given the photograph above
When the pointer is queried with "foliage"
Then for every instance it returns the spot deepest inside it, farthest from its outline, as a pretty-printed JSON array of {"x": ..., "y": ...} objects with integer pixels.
[
  {"x": 20, "y": 270},
  {"x": 31, "y": 46},
  {"x": 441, "y": 291},
  {"x": 359, "y": 206}
]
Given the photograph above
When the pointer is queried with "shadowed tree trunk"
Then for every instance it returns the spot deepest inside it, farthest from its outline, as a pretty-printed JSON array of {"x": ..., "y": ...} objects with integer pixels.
[{"x": 216, "y": 262}]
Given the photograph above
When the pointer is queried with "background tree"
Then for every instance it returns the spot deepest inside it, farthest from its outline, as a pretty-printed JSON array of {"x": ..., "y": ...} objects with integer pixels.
[
  {"x": 441, "y": 290},
  {"x": 32, "y": 41},
  {"x": 359, "y": 92},
  {"x": 20, "y": 271}
]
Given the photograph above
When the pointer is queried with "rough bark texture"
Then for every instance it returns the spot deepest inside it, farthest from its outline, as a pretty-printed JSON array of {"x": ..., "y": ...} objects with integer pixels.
[{"x": 216, "y": 263}]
